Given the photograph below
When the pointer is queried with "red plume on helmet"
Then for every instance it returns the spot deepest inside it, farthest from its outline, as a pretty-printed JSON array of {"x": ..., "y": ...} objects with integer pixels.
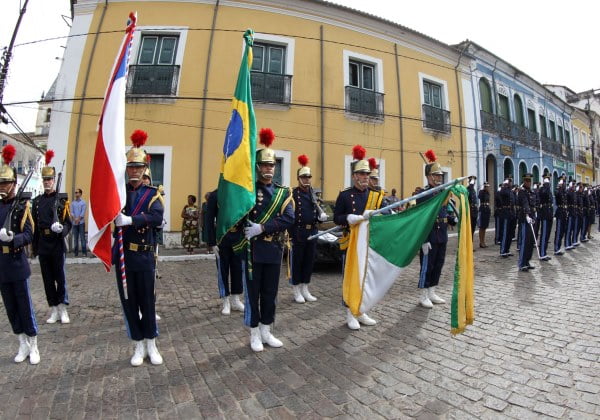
[
  {"x": 303, "y": 160},
  {"x": 49, "y": 156},
  {"x": 138, "y": 138},
  {"x": 430, "y": 155},
  {"x": 8, "y": 153},
  {"x": 373, "y": 163},
  {"x": 267, "y": 136},
  {"x": 148, "y": 158},
  {"x": 358, "y": 152}
]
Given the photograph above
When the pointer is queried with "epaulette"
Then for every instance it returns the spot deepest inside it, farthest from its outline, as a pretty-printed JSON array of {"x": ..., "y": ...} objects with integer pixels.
[
  {"x": 346, "y": 189},
  {"x": 161, "y": 189},
  {"x": 158, "y": 196},
  {"x": 27, "y": 216}
]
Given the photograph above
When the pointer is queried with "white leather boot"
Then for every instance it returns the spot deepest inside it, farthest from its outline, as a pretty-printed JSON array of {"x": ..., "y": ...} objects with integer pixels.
[
  {"x": 236, "y": 303},
  {"x": 424, "y": 301},
  {"x": 306, "y": 294},
  {"x": 138, "y": 354},
  {"x": 255, "y": 339},
  {"x": 298, "y": 294},
  {"x": 433, "y": 297},
  {"x": 64, "y": 315},
  {"x": 34, "y": 353},
  {"x": 23, "y": 348},
  {"x": 153, "y": 354},
  {"x": 352, "y": 321},
  {"x": 267, "y": 337},
  {"x": 226, "y": 306},
  {"x": 366, "y": 320},
  {"x": 54, "y": 316}
]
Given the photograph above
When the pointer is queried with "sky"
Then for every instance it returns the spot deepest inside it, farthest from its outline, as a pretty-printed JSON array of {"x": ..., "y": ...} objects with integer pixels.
[{"x": 555, "y": 42}]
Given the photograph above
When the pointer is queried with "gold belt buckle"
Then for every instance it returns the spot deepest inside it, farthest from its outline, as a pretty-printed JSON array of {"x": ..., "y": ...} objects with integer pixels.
[
  {"x": 308, "y": 226},
  {"x": 5, "y": 249},
  {"x": 133, "y": 247},
  {"x": 46, "y": 231},
  {"x": 268, "y": 238}
]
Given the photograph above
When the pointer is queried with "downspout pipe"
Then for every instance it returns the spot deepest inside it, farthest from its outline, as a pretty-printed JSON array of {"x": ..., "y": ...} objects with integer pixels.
[
  {"x": 322, "y": 111},
  {"x": 460, "y": 117},
  {"x": 400, "y": 121},
  {"x": 204, "y": 100},
  {"x": 83, "y": 96}
]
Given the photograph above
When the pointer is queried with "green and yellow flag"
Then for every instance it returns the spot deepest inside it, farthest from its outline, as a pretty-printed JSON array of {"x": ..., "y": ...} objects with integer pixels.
[
  {"x": 236, "y": 194},
  {"x": 381, "y": 247}
]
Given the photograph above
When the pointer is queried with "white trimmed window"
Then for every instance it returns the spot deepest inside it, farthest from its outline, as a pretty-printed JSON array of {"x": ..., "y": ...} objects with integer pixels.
[
  {"x": 272, "y": 68},
  {"x": 363, "y": 84},
  {"x": 156, "y": 58},
  {"x": 434, "y": 103}
]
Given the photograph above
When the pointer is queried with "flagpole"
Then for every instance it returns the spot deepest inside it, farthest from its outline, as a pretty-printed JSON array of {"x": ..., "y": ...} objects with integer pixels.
[
  {"x": 122, "y": 261},
  {"x": 397, "y": 204}
]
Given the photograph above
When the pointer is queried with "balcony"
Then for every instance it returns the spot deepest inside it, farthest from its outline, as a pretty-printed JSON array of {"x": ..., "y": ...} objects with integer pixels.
[
  {"x": 152, "y": 80},
  {"x": 567, "y": 153},
  {"x": 363, "y": 101},
  {"x": 510, "y": 130},
  {"x": 436, "y": 119},
  {"x": 581, "y": 158},
  {"x": 551, "y": 146},
  {"x": 271, "y": 88}
]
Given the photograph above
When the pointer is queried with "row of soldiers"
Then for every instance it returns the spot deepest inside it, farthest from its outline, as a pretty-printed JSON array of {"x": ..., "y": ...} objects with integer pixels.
[
  {"x": 280, "y": 216},
  {"x": 527, "y": 212}
]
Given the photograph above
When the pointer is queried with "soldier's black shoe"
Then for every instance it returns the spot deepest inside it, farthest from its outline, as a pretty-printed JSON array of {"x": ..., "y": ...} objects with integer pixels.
[
  {"x": 505, "y": 255},
  {"x": 558, "y": 253},
  {"x": 523, "y": 268},
  {"x": 584, "y": 240},
  {"x": 531, "y": 267}
]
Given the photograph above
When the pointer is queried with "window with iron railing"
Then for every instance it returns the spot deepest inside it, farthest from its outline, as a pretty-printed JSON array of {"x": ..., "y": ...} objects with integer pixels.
[
  {"x": 363, "y": 101},
  {"x": 155, "y": 72},
  {"x": 436, "y": 119},
  {"x": 269, "y": 82}
]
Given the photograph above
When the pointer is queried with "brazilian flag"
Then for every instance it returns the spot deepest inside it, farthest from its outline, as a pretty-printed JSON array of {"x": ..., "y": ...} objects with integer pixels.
[{"x": 236, "y": 194}]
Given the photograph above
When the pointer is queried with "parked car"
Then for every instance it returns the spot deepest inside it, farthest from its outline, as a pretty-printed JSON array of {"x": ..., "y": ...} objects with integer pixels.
[{"x": 328, "y": 249}]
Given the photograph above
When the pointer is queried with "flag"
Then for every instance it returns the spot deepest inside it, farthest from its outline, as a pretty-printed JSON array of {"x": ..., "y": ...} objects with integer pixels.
[
  {"x": 381, "y": 247},
  {"x": 236, "y": 195},
  {"x": 107, "y": 193}
]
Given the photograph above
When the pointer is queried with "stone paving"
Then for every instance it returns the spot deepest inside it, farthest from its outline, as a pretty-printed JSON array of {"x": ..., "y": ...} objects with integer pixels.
[{"x": 532, "y": 352}]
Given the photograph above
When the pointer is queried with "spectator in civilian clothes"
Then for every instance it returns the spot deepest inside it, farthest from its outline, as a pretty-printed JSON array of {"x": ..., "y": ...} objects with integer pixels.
[{"x": 78, "y": 207}]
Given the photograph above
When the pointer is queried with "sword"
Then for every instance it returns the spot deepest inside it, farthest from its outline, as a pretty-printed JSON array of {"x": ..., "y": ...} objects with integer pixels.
[{"x": 535, "y": 240}]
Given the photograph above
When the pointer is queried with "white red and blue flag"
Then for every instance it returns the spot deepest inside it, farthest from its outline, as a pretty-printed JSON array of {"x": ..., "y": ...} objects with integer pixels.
[{"x": 107, "y": 192}]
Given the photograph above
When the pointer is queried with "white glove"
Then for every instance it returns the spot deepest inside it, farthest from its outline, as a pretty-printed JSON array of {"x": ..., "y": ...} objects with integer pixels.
[
  {"x": 322, "y": 217},
  {"x": 367, "y": 214},
  {"x": 215, "y": 249},
  {"x": 425, "y": 248},
  {"x": 56, "y": 227},
  {"x": 163, "y": 224},
  {"x": 354, "y": 219},
  {"x": 123, "y": 220},
  {"x": 253, "y": 230},
  {"x": 6, "y": 236},
  {"x": 528, "y": 219},
  {"x": 455, "y": 219}
]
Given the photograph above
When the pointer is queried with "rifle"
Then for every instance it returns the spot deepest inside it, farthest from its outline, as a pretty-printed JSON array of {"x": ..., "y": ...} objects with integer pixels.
[
  {"x": 20, "y": 194},
  {"x": 58, "y": 195}
]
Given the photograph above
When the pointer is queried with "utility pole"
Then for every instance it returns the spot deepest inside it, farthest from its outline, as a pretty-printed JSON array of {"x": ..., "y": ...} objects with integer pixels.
[{"x": 6, "y": 56}]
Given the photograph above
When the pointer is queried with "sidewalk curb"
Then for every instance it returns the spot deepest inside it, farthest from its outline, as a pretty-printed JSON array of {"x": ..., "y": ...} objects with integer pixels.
[{"x": 94, "y": 260}]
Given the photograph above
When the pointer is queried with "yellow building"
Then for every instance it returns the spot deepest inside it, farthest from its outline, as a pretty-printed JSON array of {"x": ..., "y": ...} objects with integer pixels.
[
  {"x": 324, "y": 78},
  {"x": 582, "y": 141}
]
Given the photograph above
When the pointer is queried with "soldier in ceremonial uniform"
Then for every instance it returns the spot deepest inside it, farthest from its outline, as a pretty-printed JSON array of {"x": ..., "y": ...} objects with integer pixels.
[
  {"x": 526, "y": 221},
  {"x": 484, "y": 212},
  {"x": 507, "y": 217},
  {"x": 267, "y": 228},
  {"x": 433, "y": 251},
  {"x": 545, "y": 210},
  {"x": 230, "y": 273},
  {"x": 497, "y": 220},
  {"x": 585, "y": 208},
  {"x": 351, "y": 206},
  {"x": 52, "y": 220},
  {"x": 571, "y": 217},
  {"x": 578, "y": 214},
  {"x": 308, "y": 214},
  {"x": 16, "y": 234},
  {"x": 143, "y": 213},
  {"x": 591, "y": 211},
  {"x": 473, "y": 208},
  {"x": 561, "y": 215}
]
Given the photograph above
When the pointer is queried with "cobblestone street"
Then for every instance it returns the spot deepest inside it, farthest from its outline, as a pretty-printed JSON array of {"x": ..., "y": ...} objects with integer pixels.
[{"x": 532, "y": 352}]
